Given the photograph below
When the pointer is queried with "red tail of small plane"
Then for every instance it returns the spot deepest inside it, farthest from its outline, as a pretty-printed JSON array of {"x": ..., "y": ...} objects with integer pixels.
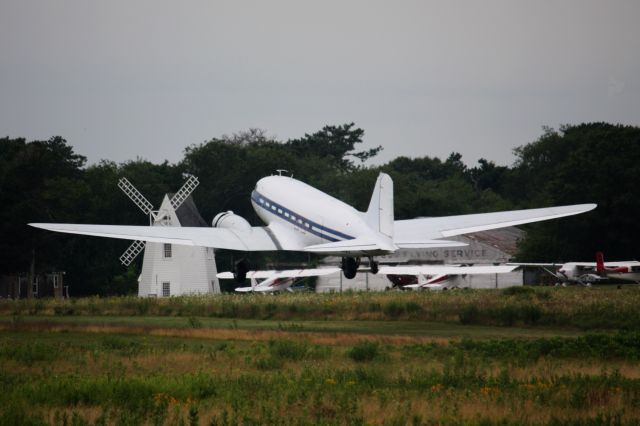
[{"x": 600, "y": 263}]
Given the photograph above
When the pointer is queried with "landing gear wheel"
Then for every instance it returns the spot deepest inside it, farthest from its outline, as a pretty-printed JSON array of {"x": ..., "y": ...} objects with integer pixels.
[
  {"x": 240, "y": 270},
  {"x": 375, "y": 267},
  {"x": 350, "y": 267}
]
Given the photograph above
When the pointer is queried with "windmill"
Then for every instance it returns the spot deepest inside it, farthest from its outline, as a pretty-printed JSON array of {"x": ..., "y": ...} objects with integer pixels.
[
  {"x": 156, "y": 217},
  {"x": 167, "y": 270}
]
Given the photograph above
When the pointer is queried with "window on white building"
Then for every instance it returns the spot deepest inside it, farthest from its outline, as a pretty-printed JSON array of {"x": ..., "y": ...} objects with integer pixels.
[
  {"x": 166, "y": 289},
  {"x": 167, "y": 251}
]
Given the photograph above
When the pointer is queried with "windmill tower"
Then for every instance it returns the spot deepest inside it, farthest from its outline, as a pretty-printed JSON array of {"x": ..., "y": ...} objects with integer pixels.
[{"x": 168, "y": 269}]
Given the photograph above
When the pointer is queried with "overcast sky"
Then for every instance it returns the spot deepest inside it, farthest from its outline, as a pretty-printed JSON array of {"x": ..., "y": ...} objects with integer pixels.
[{"x": 120, "y": 79}]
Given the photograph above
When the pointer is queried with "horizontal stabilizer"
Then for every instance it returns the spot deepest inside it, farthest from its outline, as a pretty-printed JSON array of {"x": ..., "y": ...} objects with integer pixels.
[
  {"x": 430, "y": 244},
  {"x": 356, "y": 245}
]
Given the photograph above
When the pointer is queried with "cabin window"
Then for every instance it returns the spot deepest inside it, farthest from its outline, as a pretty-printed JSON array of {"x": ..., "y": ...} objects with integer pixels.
[
  {"x": 167, "y": 251},
  {"x": 55, "y": 281},
  {"x": 166, "y": 289}
]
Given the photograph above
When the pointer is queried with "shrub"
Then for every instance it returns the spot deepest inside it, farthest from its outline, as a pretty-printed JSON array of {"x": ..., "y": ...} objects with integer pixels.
[
  {"x": 531, "y": 314},
  {"x": 518, "y": 291},
  {"x": 269, "y": 363},
  {"x": 288, "y": 349},
  {"x": 194, "y": 322},
  {"x": 364, "y": 351},
  {"x": 413, "y": 307},
  {"x": 469, "y": 315},
  {"x": 393, "y": 309},
  {"x": 507, "y": 315}
]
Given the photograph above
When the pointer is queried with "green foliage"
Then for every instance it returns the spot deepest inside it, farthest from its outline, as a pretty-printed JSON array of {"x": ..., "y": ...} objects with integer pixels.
[
  {"x": 46, "y": 181},
  {"x": 288, "y": 349},
  {"x": 91, "y": 378},
  {"x": 364, "y": 351},
  {"x": 470, "y": 314},
  {"x": 584, "y": 308},
  {"x": 194, "y": 322},
  {"x": 518, "y": 291},
  {"x": 595, "y": 162}
]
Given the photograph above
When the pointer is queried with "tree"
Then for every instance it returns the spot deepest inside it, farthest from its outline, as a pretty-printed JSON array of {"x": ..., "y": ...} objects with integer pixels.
[
  {"x": 589, "y": 163},
  {"x": 334, "y": 143}
]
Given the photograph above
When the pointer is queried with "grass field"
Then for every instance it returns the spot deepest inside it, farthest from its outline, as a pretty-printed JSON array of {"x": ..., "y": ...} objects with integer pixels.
[{"x": 543, "y": 356}]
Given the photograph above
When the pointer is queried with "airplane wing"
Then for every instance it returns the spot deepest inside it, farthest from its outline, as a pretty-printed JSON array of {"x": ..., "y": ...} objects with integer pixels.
[
  {"x": 289, "y": 273},
  {"x": 414, "y": 230},
  {"x": 548, "y": 265},
  {"x": 256, "y": 239},
  {"x": 413, "y": 233},
  {"x": 444, "y": 269}
]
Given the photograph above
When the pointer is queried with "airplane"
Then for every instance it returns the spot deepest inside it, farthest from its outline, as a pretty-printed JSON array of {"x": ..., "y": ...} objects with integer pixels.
[
  {"x": 429, "y": 277},
  {"x": 299, "y": 217},
  {"x": 276, "y": 281},
  {"x": 437, "y": 277},
  {"x": 587, "y": 273}
]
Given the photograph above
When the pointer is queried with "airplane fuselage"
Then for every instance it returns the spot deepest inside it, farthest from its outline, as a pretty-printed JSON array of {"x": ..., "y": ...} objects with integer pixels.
[{"x": 309, "y": 215}]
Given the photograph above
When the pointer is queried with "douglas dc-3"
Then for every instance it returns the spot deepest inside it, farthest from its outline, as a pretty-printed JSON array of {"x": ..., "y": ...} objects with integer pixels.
[{"x": 302, "y": 218}]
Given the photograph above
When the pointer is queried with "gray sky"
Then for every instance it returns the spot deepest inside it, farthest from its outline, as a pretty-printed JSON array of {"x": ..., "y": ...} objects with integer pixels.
[{"x": 121, "y": 79}]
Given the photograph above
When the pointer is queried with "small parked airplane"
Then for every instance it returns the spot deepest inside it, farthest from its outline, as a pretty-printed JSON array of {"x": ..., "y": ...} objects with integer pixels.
[
  {"x": 430, "y": 277},
  {"x": 276, "y": 281},
  {"x": 587, "y": 273},
  {"x": 302, "y": 218},
  {"x": 437, "y": 277}
]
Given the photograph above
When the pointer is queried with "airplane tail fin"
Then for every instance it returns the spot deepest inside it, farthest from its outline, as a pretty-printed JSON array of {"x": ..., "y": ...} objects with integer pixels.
[
  {"x": 379, "y": 215},
  {"x": 599, "y": 263}
]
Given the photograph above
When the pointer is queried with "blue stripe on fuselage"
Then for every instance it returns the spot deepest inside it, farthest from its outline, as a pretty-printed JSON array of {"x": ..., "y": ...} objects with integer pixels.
[{"x": 314, "y": 228}]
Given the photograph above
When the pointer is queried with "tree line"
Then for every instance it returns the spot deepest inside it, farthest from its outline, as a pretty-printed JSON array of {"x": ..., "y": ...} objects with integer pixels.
[{"x": 47, "y": 181}]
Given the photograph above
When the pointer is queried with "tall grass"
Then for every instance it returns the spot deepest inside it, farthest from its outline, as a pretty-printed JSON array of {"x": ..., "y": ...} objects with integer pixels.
[
  {"x": 89, "y": 378},
  {"x": 591, "y": 308}
]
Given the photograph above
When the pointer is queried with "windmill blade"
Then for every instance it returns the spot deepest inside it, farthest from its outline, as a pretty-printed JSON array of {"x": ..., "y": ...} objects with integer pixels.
[
  {"x": 184, "y": 192},
  {"x": 132, "y": 252},
  {"x": 135, "y": 196}
]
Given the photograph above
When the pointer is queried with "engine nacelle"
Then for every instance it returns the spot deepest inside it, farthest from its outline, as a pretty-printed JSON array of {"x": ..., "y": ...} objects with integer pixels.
[{"x": 231, "y": 220}]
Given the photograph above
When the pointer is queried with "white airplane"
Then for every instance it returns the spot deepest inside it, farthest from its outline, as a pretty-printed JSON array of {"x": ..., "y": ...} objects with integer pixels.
[
  {"x": 587, "y": 273},
  {"x": 440, "y": 277},
  {"x": 276, "y": 281},
  {"x": 302, "y": 218}
]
